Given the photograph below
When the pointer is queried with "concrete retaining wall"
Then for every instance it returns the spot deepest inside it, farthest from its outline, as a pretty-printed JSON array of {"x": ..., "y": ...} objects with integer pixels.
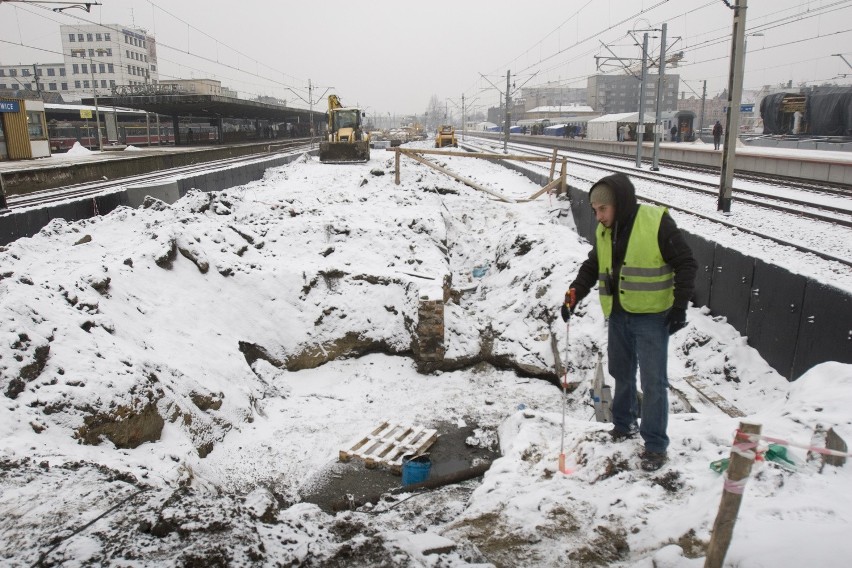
[
  {"x": 28, "y": 222},
  {"x": 19, "y": 182}
]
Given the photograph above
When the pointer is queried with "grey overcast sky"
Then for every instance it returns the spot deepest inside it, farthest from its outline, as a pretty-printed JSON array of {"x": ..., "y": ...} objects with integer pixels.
[{"x": 391, "y": 56}]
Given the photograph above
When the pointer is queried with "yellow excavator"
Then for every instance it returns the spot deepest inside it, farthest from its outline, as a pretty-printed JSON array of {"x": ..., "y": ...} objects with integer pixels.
[
  {"x": 446, "y": 137},
  {"x": 347, "y": 140}
]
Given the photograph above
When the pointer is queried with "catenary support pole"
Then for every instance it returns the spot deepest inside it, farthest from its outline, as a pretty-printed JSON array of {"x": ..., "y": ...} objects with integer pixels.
[
  {"x": 640, "y": 125},
  {"x": 97, "y": 112},
  {"x": 661, "y": 87},
  {"x": 742, "y": 457},
  {"x": 508, "y": 115},
  {"x": 735, "y": 94},
  {"x": 703, "y": 100}
]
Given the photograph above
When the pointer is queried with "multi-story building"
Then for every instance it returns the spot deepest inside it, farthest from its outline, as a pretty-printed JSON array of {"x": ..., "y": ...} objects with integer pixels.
[
  {"x": 96, "y": 58},
  {"x": 47, "y": 77},
  {"x": 610, "y": 94},
  {"x": 553, "y": 94},
  {"x": 99, "y": 57},
  {"x": 196, "y": 86}
]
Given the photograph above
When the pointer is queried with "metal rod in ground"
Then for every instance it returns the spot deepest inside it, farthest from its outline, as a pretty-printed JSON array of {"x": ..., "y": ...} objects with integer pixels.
[{"x": 732, "y": 496}]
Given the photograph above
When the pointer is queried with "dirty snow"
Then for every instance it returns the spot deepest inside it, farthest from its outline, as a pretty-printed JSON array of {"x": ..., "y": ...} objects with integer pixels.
[{"x": 188, "y": 317}]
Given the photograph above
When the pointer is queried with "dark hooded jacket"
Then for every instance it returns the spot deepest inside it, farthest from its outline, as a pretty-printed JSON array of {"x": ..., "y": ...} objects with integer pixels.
[{"x": 673, "y": 247}]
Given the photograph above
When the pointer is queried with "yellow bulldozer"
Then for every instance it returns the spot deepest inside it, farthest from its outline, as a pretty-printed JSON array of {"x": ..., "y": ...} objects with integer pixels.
[
  {"x": 347, "y": 140},
  {"x": 446, "y": 137}
]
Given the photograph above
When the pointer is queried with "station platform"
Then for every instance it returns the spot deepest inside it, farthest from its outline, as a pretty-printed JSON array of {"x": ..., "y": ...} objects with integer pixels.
[
  {"x": 812, "y": 165},
  {"x": 26, "y": 176}
]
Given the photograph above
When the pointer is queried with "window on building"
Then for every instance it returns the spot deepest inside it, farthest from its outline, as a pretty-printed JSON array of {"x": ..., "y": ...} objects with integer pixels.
[
  {"x": 39, "y": 72},
  {"x": 109, "y": 52},
  {"x": 111, "y": 83},
  {"x": 79, "y": 37},
  {"x": 75, "y": 68},
  {"x": 84, "y": 68},
  {"x": 62, "y": 71},
  {"x": 101, "y": 68},
  {"x": 25, "y": 72},
  {"x": 64, "y": 86},
  {"x": 51, "y": 72},
  {"x": 107, "y": 38},
  {"x": 27, "y": 87},
  {"x": 91, "y": 53},
  {"x": 146, "y": 58},
  {"x": 35, "y": 125},
  {"x": 89, "y": 37},
  {"x": 110, "y": 68},
  {"x": 103, "y": 83},
  {"x": 13, "y": 72},
  {"x": 98, "y": 37},
  {"x": 51, "y": 86},
  {"x": 85, "y": 84},
  {"x": 76, "y": 84},
  {"x": 2, "y": 72},
  {"x": 72, "y": 37},
  {"x": 2, "y": 85},
  {"x": 154, "y": 68}
]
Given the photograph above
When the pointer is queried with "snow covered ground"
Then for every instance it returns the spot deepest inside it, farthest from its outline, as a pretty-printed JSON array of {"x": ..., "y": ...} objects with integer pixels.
[{"x": 164, "y": 375}]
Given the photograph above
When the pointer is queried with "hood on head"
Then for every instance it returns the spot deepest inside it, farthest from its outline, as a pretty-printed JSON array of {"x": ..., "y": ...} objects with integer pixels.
[{"x": 625, "y": 196}]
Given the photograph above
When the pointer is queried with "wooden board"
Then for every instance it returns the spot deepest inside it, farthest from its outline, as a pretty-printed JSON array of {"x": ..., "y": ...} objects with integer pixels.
[
  {"x": 714, "y": 398},
  {"x": 386, "y": 445}
]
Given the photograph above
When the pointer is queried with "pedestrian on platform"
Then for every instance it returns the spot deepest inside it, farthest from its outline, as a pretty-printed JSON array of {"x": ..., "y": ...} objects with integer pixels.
[
  {"x": 674, "y": 133},
  {"x": 717, "y": 135},
  {"x": 645, "y": 273}
]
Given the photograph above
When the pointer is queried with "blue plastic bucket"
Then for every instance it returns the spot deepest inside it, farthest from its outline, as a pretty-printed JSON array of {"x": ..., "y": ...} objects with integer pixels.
[{"x": 415, "y": 470}]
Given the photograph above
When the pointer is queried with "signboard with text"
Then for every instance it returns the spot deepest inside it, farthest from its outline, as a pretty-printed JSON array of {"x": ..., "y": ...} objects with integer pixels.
[
  {"x": 10, "y": 106},
  {"x": 85, "y": 114}
]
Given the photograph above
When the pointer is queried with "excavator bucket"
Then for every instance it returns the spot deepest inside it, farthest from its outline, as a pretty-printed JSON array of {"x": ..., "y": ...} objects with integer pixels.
[{"x": 343, "y": 152}]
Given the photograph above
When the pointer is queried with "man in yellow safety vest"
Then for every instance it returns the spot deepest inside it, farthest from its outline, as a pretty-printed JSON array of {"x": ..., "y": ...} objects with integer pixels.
[{"x": 645, "y": 274}]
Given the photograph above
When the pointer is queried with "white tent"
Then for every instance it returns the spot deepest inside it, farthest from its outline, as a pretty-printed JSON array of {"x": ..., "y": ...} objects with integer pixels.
[{"x": 606, "y": 127}]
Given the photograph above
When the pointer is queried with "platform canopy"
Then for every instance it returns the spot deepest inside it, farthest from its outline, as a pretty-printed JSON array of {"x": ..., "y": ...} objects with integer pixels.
[{"x": 212, "y": 106}]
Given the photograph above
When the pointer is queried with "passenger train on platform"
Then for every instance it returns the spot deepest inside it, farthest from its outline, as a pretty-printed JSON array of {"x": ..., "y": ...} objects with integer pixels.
[{"x": 66, "y": 126}]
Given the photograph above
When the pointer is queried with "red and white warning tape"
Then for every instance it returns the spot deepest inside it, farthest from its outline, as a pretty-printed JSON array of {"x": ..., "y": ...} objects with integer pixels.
[{"x": 754, "y": 438}]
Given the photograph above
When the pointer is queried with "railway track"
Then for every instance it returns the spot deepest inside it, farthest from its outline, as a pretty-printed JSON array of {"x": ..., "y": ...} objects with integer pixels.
[
  {"x": 91, "y": 189},
  {"x": 831, "y": 220},
  {"x": 831, "y": 210},
  {"x": 829, "y": 188}
]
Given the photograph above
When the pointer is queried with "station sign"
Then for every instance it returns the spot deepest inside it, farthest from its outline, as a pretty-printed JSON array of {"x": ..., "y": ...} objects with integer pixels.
[
  {"x": 10, "y": 106},
  {"x": 743, "y": 108},
  {"x": 85, "y": 113}
]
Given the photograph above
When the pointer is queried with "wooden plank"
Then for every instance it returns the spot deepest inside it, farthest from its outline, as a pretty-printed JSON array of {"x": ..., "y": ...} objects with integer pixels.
[
  {"x": 462, "y": 179},
  {"x": 545, "y": 189},
  {"x": 714, "y": 398},
  {"x": 480, "y": 155},
  {"x": 345, "y": 455},
  {"x": 552, "y": 165}
]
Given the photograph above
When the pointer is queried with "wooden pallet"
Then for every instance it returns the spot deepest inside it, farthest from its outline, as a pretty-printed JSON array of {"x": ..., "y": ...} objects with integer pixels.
[{"x": 388, "y": 443}]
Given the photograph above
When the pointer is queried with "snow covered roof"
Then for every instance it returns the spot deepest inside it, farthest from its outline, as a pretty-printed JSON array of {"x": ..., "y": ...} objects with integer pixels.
[
  {"x": 564, "y": 109},
  {"x": 623, "y": 117}
]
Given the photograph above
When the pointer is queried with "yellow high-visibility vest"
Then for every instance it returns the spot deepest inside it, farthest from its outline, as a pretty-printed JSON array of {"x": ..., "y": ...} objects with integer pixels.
[{"x": 646, "y": 282}]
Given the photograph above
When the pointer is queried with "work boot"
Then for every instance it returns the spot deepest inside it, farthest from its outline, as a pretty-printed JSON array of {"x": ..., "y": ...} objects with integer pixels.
[
  {"x": 619, "y": 435},
  {"x": 652, "y": 461}
]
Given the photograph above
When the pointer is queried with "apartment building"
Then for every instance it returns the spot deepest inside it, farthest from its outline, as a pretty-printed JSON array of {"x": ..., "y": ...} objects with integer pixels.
[{"x": 95, "y": 58}]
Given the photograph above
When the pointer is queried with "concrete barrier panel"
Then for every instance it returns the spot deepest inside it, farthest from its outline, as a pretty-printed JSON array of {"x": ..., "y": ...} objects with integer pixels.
[
  {"x": 825, "y": 331},
  {"x": 731, "y": 286},
  {"x": 703, "y": 251},
  {"x": 774, "y": 312},
  {"x": 167, "y": 192},
  {"x": 31, "y": 221},
  {"x": 8, "y": 228}
]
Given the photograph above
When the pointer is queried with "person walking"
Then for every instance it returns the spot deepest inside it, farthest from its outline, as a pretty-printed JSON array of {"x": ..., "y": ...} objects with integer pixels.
[
  {"x": 645, "y": 273},
  {"x": 717, "y": 135}
]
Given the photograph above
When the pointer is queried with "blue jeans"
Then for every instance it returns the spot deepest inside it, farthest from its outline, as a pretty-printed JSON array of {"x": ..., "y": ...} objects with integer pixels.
[{"x": 640, "y": 340}]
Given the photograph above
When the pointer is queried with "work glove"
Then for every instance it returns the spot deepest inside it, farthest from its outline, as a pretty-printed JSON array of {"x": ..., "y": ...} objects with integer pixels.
[
  {"x": 676, "y": 320},
  {"x": 569, "y": 304}
]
